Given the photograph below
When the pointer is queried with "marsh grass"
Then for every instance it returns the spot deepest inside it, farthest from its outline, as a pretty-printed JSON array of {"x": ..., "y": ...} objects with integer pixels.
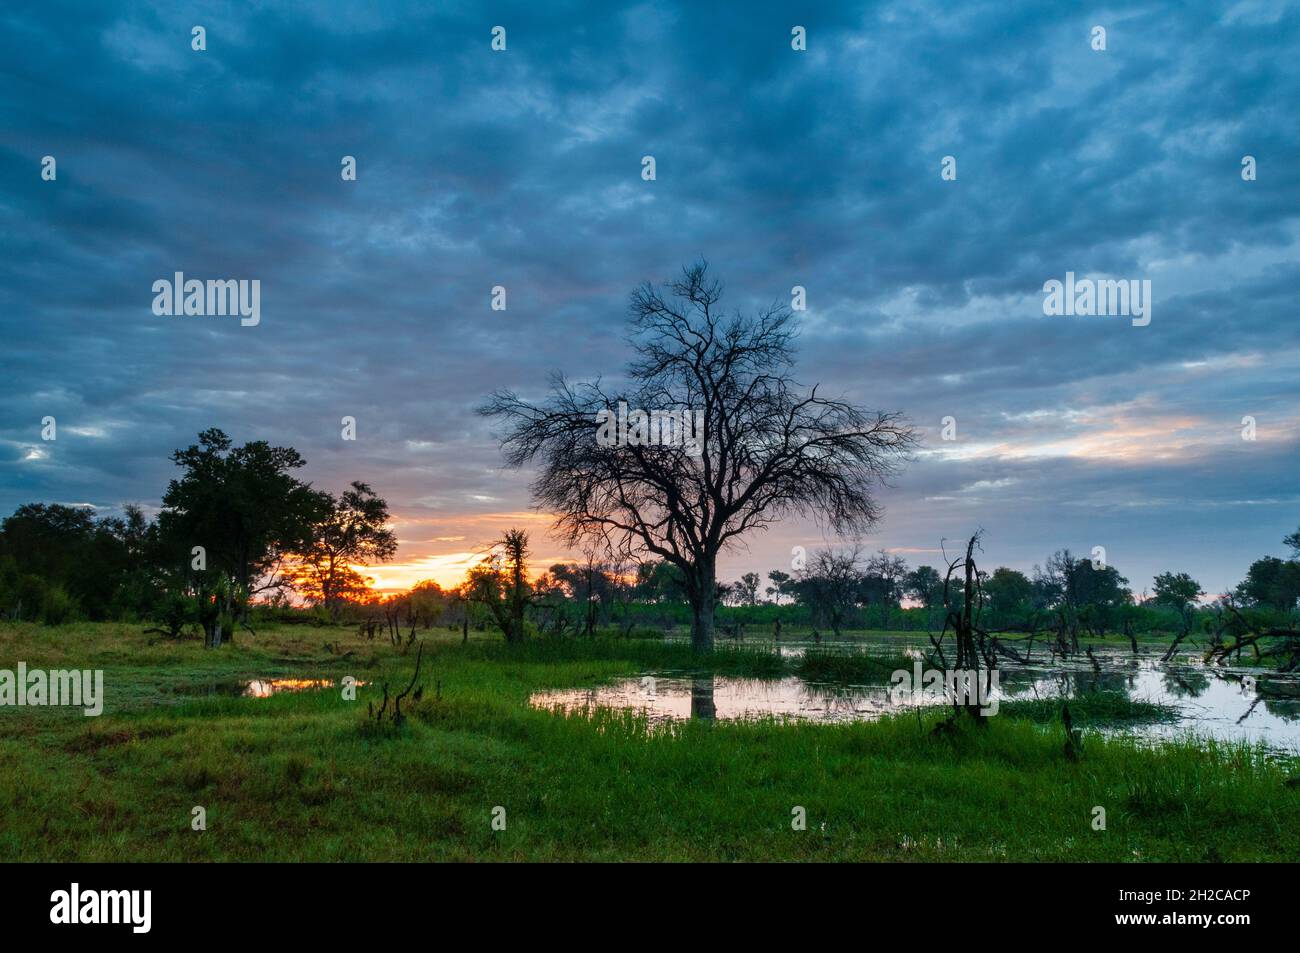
[
  {"x": 849, "y": 666},
  {"x": 297, "y": 777},
  {"x": 1095, "y": 709},
  {"x": 658, "y": 655}
]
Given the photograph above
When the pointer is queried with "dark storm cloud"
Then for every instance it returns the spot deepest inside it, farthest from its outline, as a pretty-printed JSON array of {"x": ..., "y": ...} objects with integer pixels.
[{"x": 522, "y": 169}]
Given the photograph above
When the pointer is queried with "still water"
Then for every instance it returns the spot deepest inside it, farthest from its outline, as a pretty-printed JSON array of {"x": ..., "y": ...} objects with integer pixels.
[{"x": 1210, "y": 701}]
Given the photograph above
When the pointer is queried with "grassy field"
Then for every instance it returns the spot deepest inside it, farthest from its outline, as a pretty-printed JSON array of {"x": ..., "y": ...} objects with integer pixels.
[{"x": 306, "y": 777}]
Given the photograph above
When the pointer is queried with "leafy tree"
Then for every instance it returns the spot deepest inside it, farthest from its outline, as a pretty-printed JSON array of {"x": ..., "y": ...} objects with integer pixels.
[
  {"x": 1179, "y": 591},
  {"x": 140, "y": 584},
  {"x": 1010, "y": 595},
  {"x": 1294, "y": 542},
  {"x": 328, "y": 586},
  {"x": 1176, "y": 589},
  {"x": 49, "y": 541},
  {"x": 924, "y": 585},
  {"x": 660, "y": 581},
  {"x": 246, "y": 509},
  {"x": 65, "y": 559},
  {"x": 1097, "y": 595},
  {"x": 1081, "y": 592},
  {"x": 783, "y": 585},
  {"x": 500, "y": 582},
  {"x": 1271, "y": 583},
  {"x": 428, "y": 602},
  {"x": 747, "y": 588},
  {"x": 593, "y": 584},
  {"x": 1049, "y": 582},
  {"x": 353, "y": 529}
]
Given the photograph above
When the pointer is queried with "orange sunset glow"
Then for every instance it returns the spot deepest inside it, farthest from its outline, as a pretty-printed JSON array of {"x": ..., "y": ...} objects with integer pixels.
[{"x": 465, "y": 538}]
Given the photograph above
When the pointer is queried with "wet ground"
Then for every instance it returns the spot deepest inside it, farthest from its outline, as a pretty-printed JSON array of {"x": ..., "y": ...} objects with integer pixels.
[{"x": 1231, "y": 703}]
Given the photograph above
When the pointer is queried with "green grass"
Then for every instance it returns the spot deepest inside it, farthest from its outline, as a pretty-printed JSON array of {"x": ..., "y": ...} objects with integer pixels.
[
  {"x": 644, "y": 654},
  {"x": 301, "y": 777},
  {"x": 848, "y": 666},
  {"x": 1092, "y": 709}
]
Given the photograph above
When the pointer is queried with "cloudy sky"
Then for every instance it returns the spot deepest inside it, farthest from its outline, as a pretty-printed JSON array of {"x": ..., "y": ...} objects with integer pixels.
[{"x": 522, "y": 168}]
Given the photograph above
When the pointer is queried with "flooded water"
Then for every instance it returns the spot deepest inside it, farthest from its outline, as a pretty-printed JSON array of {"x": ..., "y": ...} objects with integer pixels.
[
  {"x": 1211, "y": 701},
  {"x": 266, "y": 687},
  {"x": 676, "y": 697},
  {"x": 261, "y": 687}
]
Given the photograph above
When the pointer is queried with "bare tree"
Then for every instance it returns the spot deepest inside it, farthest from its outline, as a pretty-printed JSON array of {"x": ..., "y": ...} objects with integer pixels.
[
  {"x": 892, "y": 571},
  {"x": 768, "y": 449},
  {"x": 976, "y": 649},
  {"x": 831, "y": 585}
]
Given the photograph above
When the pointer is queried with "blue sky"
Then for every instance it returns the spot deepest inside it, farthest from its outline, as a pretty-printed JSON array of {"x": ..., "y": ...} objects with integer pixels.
[{"x": 522, "y": 168}]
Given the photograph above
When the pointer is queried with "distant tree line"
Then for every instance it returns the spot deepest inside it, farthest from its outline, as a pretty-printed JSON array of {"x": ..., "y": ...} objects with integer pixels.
[
  {"x": 239, "y": 537},
  {"x": 236, "y": 526},
  {"x": 842, "y": 588},
  {"x": 838, "y": 590}
]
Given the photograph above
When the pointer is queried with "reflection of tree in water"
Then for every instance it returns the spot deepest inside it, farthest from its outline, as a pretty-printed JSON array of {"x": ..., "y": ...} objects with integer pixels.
[
  {"x": 1119, "y": 674},
  {"x": 1131, "y": 678},
  {"x": 1288, "y": 709},
  {"x": 1015, "y": 680},
  {"x": 1125, "y": 671},
  {"x": 1184, "y": 682},
  {"x": 1122, "y": 682},
  {"x": 1279, "y": 697},
  {"x": 836, "y": 699},
  {"x": 702, "y": 704},
  {"x": 1065, "y": 683}
]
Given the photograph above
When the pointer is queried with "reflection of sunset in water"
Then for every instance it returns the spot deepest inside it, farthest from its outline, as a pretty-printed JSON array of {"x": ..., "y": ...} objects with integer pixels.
[
  {"x": 266, "y": 687},
  {"x": 1209, "y": 701},
  {"x": 726, "y": 698}
]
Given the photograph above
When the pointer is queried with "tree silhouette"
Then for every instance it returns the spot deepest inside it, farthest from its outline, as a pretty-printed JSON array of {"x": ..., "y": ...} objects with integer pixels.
[
  {"x": 354, "y": 528},
  {"x": 768, "y": 449},
  {"x": 500, "y": 582},
  {"x": 246, "y": 509}
]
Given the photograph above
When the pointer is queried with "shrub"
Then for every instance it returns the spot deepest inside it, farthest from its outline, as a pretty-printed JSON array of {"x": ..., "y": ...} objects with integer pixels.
[{"x": 57, "y": 607}]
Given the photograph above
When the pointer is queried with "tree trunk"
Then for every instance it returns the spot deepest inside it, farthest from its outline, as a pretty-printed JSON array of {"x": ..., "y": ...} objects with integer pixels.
[
  {"x": 517, "y": 602},
  {"x": 703, "y": 705},
  {"x": 702, "y": 607}
]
